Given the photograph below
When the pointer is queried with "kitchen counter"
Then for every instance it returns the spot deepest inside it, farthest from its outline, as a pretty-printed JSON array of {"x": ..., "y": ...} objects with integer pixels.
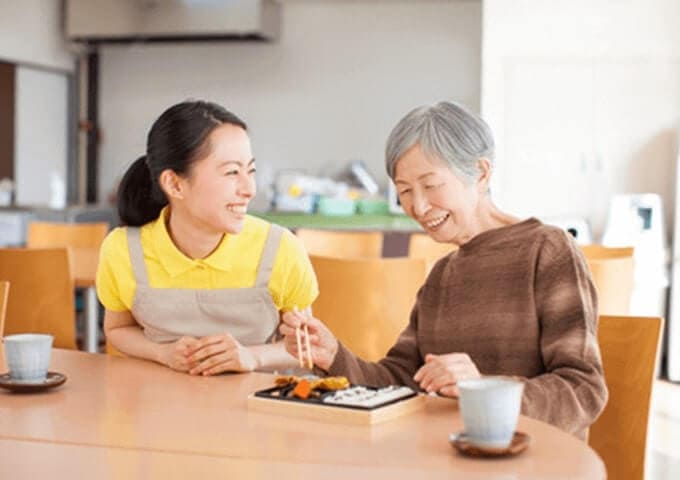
[{"x": 385, "y": 223}]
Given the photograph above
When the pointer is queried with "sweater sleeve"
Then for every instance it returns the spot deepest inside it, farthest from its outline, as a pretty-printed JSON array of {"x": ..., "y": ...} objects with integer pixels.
[
  {"x": 572, "y": 392},
  {"x": 397, "y": 368}
]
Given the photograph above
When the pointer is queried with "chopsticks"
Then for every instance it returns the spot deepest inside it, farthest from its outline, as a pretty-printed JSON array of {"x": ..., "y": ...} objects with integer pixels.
[{"x": 308, "y": 347}]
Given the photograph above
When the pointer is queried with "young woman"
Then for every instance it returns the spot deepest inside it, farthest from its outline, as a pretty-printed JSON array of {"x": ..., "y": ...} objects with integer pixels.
[
  {"x": 191, "y": 281},
  {"x": 515, "y": 299}
]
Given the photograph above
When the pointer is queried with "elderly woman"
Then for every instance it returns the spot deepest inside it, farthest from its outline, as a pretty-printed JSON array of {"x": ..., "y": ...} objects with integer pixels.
[{"x": 515, "y": 299}]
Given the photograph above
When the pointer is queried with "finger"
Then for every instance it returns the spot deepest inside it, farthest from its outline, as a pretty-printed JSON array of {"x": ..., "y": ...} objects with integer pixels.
[
  {"x": 211, "y": 362},
  {"x": 430, "y": 357},
  {"x": 440, "y": 381},
  {"x": 421, "y": 372},
  {"x": 430, "y": 374},
  {"x": 293, "y": 319},
  {"x": 449, "y": 391},
  {"x": 212, "y": 340},
  {"x": 286, "y": 330},
  {"x": 209, "y": 351}
]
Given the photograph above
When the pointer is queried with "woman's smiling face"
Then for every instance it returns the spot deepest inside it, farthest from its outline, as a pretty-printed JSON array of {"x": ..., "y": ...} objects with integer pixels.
[{"x": 433, "y": 195}]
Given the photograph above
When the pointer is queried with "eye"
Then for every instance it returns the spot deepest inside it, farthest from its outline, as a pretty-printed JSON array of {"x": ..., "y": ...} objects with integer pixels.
[
  {"x": 252, "y": 170},
  {"x": 432, "y": 187},
  {"x": 231, "y": 172},
  {"x": 405, "y": 191}
]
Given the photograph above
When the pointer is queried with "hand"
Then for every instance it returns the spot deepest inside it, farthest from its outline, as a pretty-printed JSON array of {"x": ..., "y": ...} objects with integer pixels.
[
  {"x": 323, "y": 344},
  {"x": 174, "y": 355},
  {"x": 441, "y": 373},
  {"x": 220, "y": 353}
]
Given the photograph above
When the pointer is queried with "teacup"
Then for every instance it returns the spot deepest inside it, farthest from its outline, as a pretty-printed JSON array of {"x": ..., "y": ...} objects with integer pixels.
[
  {"x": 490, "y": 408},
  {"x": 28, "y": 356}
]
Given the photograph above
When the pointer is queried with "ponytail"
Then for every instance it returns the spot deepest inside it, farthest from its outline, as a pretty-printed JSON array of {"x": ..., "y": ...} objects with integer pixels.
[{"x": 140, "y": 199}]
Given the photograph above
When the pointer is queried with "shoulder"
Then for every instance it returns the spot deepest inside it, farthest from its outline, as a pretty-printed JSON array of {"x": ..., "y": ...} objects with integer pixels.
[
  {"x": 115, "y": 242},
  {"x": 553, "y": 241}
]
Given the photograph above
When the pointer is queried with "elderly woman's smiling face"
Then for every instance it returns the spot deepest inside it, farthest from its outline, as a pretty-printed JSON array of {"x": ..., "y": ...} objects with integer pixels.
[{"x": 432, "y": 194}]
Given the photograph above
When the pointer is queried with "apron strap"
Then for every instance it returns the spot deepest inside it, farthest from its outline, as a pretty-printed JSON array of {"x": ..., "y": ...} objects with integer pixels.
[
  {"x": 271, "y": 247},
  {"x": 134, "y": 239}
]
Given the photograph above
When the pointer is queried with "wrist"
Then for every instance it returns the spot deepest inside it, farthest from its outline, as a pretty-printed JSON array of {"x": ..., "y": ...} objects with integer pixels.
[
  {"x": 256, "y": 359},
  {"x": 159, "y": 354}
]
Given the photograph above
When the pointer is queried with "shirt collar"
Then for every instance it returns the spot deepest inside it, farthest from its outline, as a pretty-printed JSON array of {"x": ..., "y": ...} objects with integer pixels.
[{"x": 174, "y": 261}]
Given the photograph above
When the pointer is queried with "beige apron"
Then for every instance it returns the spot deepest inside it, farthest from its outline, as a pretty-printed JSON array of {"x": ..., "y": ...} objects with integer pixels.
[{"x": 166, "y": 314}]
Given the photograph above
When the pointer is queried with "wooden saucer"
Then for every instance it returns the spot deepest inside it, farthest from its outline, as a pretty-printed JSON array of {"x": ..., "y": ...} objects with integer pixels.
[
  {"x": 53, "y": 379},
  {"x": 520, "y": 441}
]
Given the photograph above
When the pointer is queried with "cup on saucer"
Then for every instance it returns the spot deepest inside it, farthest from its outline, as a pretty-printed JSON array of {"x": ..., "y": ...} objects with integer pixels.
[
  {"x": 28, "y": 356},
  {"x": 490, "y": 408}
]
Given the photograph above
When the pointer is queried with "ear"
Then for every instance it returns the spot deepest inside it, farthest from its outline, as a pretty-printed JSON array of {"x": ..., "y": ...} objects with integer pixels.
[
  {"x": 484, "y": 177},
  {"x": 171, "y": 184}
]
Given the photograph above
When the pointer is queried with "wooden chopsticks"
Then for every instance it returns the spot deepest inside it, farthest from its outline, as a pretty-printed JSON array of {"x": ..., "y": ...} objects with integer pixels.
[{"x": 308, "y": 347}]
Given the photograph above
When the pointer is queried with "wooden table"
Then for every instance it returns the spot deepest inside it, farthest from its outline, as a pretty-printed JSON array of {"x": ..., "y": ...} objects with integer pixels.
[{"x": 126, "y": 418}]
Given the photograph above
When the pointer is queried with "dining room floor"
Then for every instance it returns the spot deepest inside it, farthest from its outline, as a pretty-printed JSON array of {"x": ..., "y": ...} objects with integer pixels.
[{"x": 663, "y": 442}]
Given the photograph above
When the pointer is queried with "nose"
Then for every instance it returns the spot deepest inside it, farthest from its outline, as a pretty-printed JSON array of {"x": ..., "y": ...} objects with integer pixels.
[
  {"x": 247, "y": 186},
  {"x": 420, "y": 204}
]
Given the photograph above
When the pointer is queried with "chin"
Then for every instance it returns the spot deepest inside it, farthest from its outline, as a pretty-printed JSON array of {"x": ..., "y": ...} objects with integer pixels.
[{"x": 233, "y": 227}]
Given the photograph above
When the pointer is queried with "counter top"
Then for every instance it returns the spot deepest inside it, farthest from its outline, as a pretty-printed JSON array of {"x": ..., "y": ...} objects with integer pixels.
[{"x": 393, "y": 223}]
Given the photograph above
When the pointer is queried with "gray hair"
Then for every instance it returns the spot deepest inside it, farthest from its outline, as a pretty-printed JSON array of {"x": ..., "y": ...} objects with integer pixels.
[{"x": 447, "y": 131}]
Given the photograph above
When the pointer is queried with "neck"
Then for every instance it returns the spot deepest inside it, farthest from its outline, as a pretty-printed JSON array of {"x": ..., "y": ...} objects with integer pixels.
[
  {"x": 489, "y": 216},
  {"x": 192, "y": 239}
]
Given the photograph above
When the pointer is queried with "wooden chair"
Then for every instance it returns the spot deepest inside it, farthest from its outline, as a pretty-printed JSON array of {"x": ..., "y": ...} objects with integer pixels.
[
  {"x": 613, "y": 271},
  {"x": 420, "y": 245},
  {"x": 329, "y": 243},
  {"x": 4, "y": 291},
  {"x": 630, "y": 347},
  {"x": 82, "y": 239},
  {"x": 366, "y": 302},
  {"x": 42, "y": 293}
]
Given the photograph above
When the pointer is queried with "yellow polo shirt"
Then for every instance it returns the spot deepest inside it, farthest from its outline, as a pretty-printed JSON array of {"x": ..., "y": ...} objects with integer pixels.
[{"x": 233, "y": 264}]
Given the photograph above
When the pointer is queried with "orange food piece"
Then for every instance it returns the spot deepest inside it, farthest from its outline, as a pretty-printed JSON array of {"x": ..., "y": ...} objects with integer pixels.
[{"x": 302, "y": 389}]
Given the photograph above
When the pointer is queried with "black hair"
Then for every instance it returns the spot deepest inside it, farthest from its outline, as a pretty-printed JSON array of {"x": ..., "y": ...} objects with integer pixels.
[{"x": 176, "y": 139}]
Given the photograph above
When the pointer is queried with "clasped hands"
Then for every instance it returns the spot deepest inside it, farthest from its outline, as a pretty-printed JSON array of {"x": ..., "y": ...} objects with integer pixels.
[{"x": 209, "y": 355}]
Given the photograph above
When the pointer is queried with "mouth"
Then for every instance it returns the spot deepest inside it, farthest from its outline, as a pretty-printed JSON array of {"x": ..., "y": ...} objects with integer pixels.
[
  {"x": 434, "y": 223},
  {"x": 239, "y": 210}
]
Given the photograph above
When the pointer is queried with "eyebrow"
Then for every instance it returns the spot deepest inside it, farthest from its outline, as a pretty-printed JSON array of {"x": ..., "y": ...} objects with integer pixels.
[
  {"x": 419, "y": 178},
  {"x": 235, "y": 162}
]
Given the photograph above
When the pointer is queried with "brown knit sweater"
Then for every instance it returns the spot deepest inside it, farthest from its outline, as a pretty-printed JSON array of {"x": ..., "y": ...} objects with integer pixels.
[{"x": 519, "y": 301}]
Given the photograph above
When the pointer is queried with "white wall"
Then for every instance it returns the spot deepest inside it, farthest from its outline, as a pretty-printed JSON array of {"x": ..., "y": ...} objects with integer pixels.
[
  {"x": 40, "y": 134},
  {"x": 329, "y": 91},
  {"x": 31, "y": 33},
  {"x": 584, "y": 97}
]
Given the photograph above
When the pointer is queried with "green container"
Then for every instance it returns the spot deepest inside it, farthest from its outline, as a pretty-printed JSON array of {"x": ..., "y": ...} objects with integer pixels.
[
  {"x": 368, "y": 206},
  {"x": 335, "y": 206}
]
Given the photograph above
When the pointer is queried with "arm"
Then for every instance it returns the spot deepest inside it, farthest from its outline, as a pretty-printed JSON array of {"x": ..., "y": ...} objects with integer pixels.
[
  {"x": 126, "y": 335},
  {"x": 572, "y": 392},
  {"x": 331, "y": 357}
]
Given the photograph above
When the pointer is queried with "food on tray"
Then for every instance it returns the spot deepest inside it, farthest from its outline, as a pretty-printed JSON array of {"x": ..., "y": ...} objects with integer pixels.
[
  {"x": 336, "y": 391},
  {"x": 313, "y": 383}
]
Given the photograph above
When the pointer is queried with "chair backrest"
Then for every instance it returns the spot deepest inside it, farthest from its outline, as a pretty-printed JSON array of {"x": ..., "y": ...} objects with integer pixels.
[
  {"x": 4, "y": 291},
  {"x": 420, "y": 245},
  {"x": 366, "y": 302},
  {"x": 329, "y": 243},
  {"x": 75, "y": 235},
  {"x": 42, "y": 293},
  {"x": 82, "y": 239},
  {"x": 630, "y": 347},
  {"x": 613, "y": 271}
]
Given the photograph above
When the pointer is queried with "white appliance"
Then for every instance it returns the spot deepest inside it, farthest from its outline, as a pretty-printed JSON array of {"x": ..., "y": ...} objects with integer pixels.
[
  {"x": 579, "y": 228},
  {"x": 673, "y": 321},
  {"x": 637, "y": 220}
]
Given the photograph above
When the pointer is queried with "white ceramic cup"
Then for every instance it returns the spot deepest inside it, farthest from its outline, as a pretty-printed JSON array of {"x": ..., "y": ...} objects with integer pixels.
[
  {"x": 28, "y": 356},
  {"x": 490, "y": 408}
]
